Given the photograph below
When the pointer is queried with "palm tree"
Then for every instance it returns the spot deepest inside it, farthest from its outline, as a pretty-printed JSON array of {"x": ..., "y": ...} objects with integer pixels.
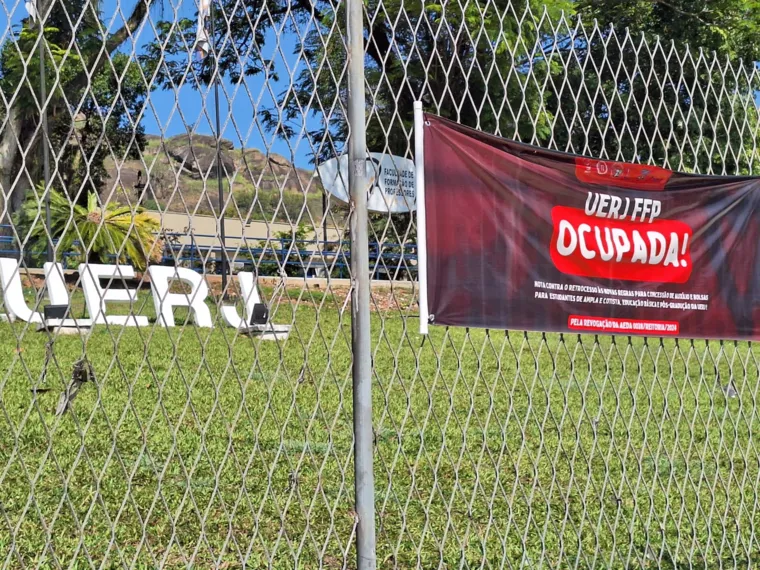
[{"x": 96, "y": 233}]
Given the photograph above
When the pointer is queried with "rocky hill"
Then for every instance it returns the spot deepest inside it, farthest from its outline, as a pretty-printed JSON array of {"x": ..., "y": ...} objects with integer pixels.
[{"x": 181, "y": 176}]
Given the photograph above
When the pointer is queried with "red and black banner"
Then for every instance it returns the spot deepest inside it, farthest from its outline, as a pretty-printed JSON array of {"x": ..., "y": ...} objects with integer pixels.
[{"x": 522, "y": 238}]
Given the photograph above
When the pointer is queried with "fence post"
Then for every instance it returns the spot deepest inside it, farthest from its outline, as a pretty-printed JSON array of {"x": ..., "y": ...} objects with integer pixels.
[
  {"x": 364, "y": 479},
  {"x": 41, "y": 14}
]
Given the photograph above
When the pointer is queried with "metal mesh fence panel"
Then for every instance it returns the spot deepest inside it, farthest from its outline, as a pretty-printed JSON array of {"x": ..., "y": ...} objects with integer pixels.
[{"x": 176, "y": 382}]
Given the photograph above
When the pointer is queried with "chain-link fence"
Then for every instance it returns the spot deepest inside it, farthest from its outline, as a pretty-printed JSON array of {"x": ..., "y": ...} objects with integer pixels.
[{"x": 194, "y": 406}]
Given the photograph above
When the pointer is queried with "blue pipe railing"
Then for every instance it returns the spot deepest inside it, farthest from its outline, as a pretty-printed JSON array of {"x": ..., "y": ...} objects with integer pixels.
[{"x": 304, "y": 256}]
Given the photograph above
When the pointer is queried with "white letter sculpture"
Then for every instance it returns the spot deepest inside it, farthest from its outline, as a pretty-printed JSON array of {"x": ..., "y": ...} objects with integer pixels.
[
  {"x": 55, "y": 285},
  {"x": 95, "y": 296},
  {"x": 161, "y": 276},
  {"x": 13, "y": 293},
  {"x": 250, "y": 294}
]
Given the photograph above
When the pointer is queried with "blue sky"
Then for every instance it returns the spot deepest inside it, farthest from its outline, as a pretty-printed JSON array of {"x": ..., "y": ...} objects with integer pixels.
[
  {"x": 187, "y": 110},
  {"x": 175, "y": 113}
]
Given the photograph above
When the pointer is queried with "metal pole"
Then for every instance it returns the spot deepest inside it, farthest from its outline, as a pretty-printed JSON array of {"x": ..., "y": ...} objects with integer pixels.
[
  {"x": 419, "y": 183},
  {"x": 364, "y": 478},
  {"x": 45, "y": 147},
  {"x": 223, "y": 252},
  {"x": 324, "y": 220}
]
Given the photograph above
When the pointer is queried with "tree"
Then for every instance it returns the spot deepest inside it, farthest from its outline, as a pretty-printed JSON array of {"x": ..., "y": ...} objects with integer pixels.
[
  {"x": 550, "y": 77},
  {"x": 96, "y": 233},
  {"x": 79, "y": 84},
  {"x": 540, "y": 72},
  {"x": 665, "y": 85},
  {"x": 286, "y": 257},
  {"x": 462, "y": 59},
  {"x": 727, "y": 27},
  {"x": 238, "y": 29},
  {"x": 466, "y": 61},
  {"x": 107, "y": 128}
]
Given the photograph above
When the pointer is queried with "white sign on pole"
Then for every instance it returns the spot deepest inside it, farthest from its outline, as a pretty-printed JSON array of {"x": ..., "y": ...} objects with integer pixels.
[{"x": 390, "y": 181}]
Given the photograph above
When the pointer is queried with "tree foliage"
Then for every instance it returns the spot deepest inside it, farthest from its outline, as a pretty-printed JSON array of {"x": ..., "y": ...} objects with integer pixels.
[
  {"x": 95, "y": 96},
  {"x": 667, "y": 84},
  {"x": 285, "y": 257},
  {"x": 727, "y": 27},
  {"x": 97, "y": 233},
  {"x": 663, "y": 85}
]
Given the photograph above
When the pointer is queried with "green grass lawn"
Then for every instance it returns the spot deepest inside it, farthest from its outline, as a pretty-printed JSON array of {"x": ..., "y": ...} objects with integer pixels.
[{"x": 492, "y": 450}]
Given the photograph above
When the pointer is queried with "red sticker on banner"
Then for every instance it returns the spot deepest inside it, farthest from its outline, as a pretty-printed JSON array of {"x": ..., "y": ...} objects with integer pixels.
[
  {"x": 622, "y": 326},
  {"x": 633, "y": 246},
  {"x": 622, "y": 174}
]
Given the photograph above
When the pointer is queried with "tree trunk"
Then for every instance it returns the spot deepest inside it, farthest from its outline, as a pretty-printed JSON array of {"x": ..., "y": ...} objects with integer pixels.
[
  {"x": 9, "y": 152},
  {"x": 11, "y": 138}
]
